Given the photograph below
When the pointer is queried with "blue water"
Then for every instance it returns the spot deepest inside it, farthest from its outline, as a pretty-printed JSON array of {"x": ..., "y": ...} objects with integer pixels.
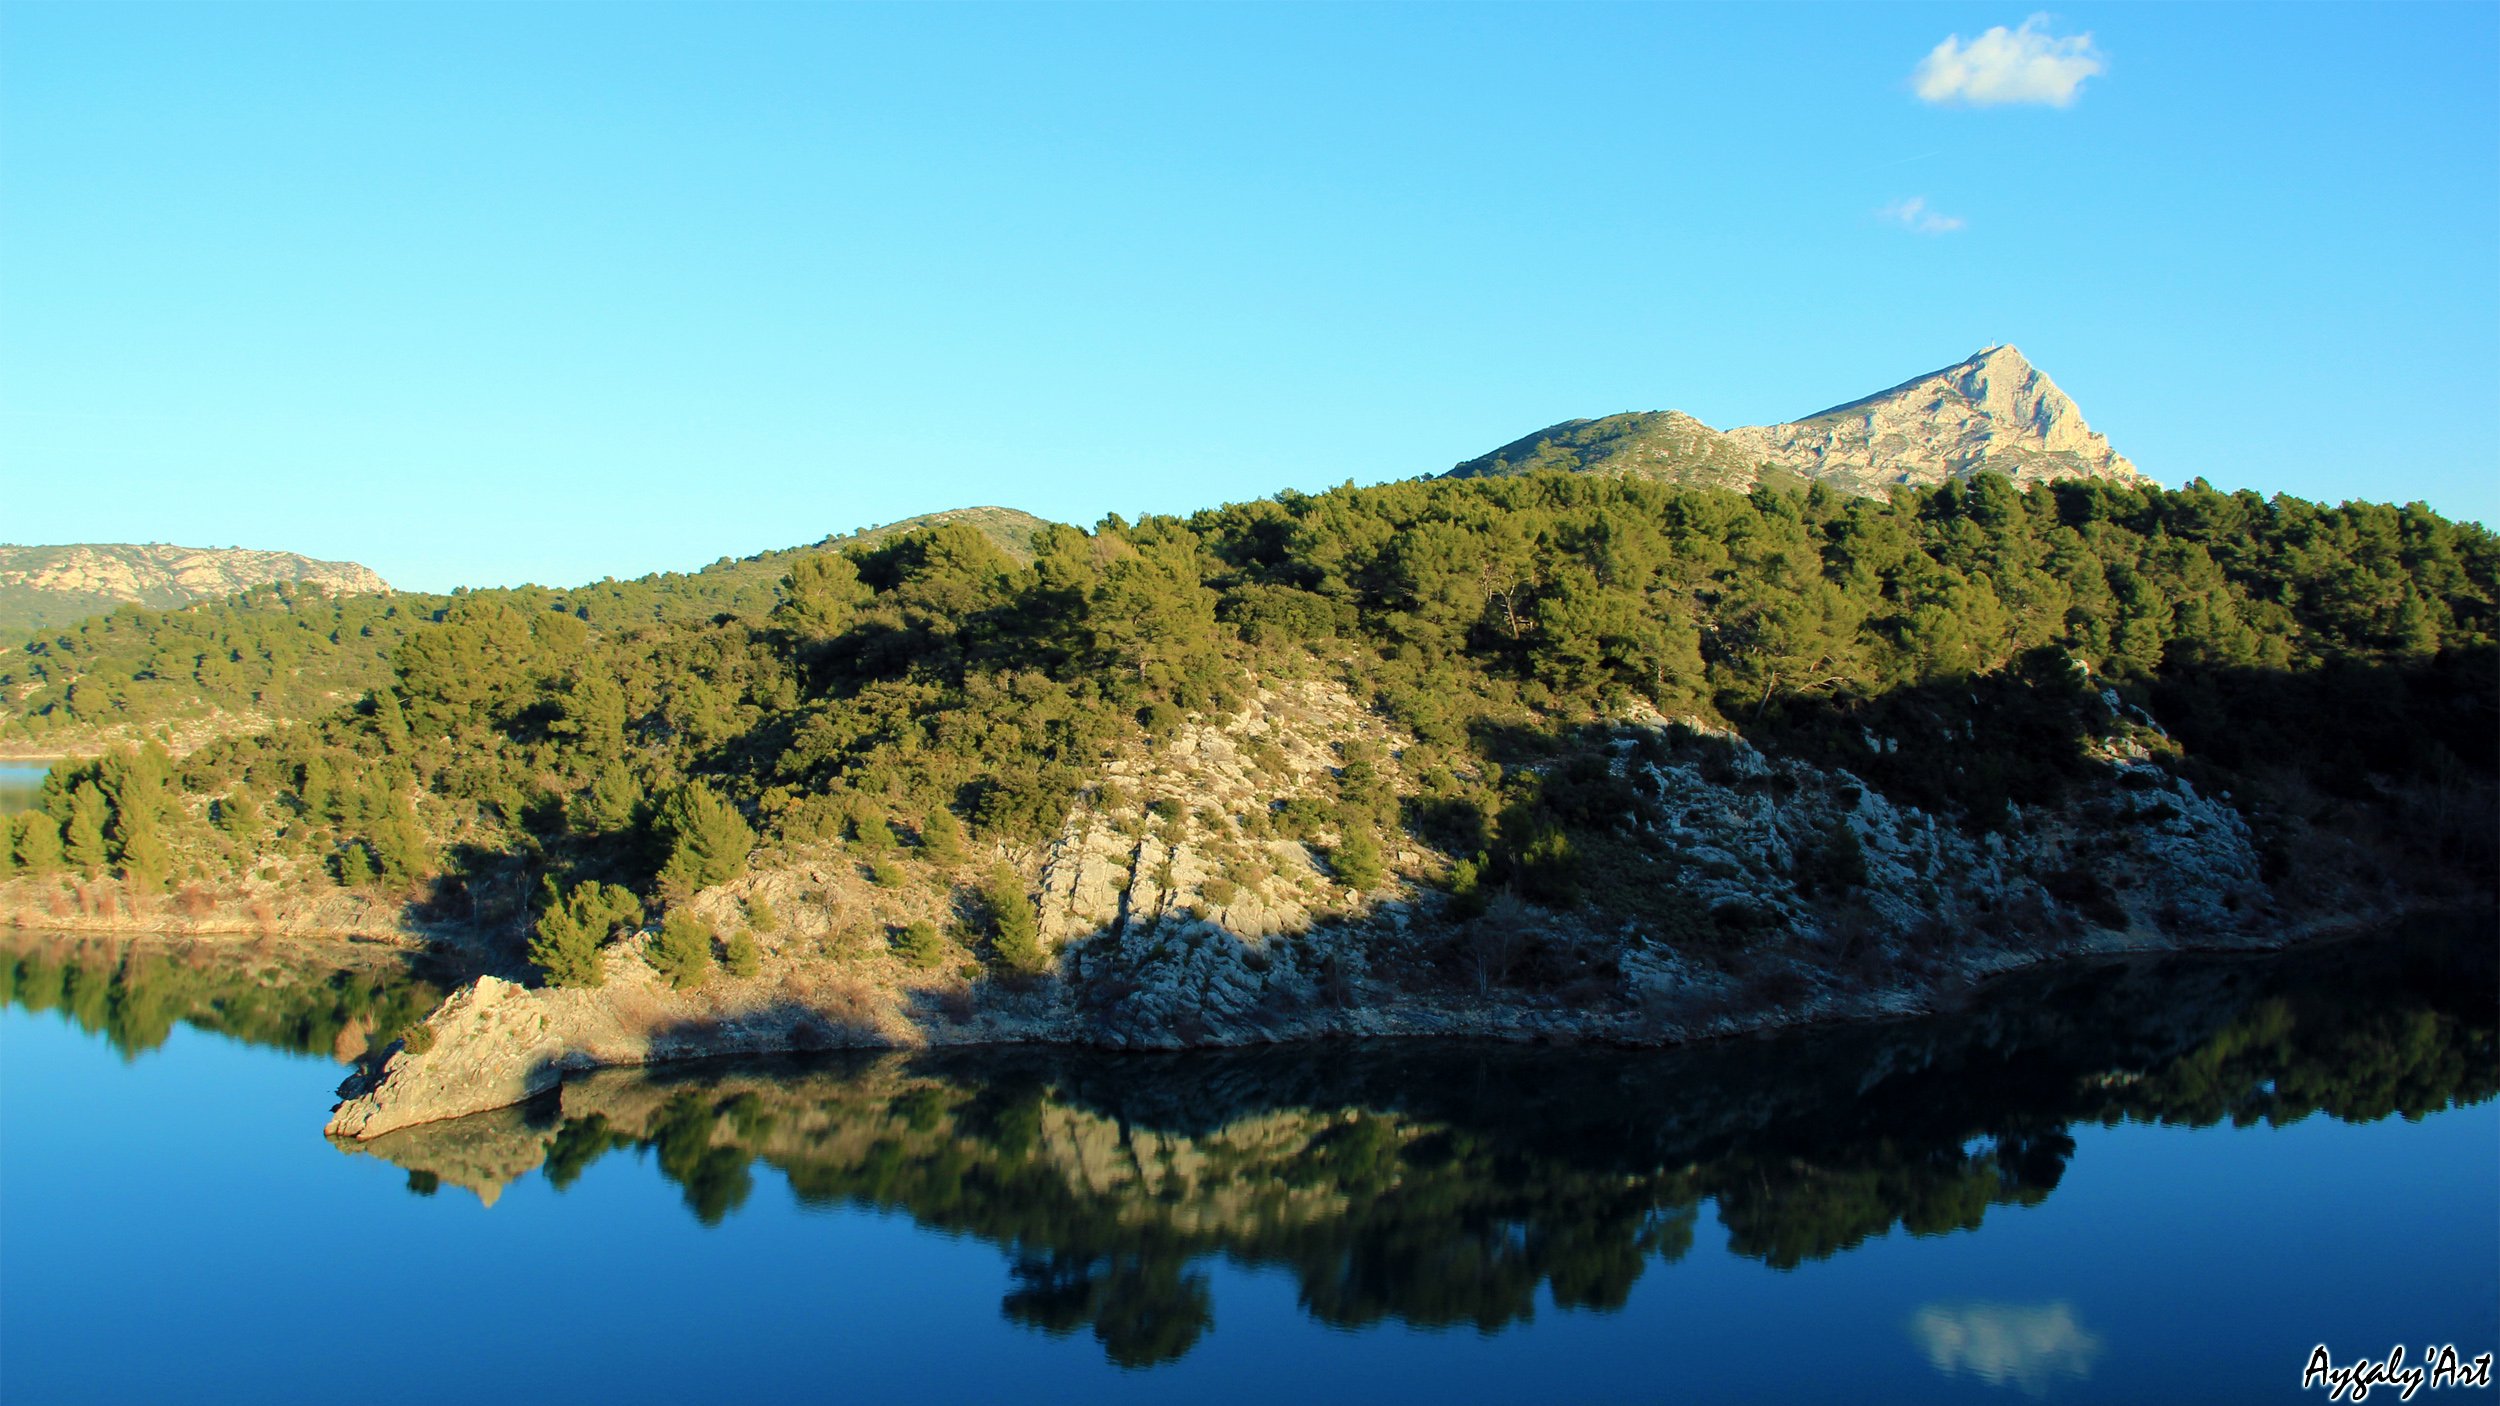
[
  {"x": 173, "y": 1226},
  {"x": 21, "y": 785}
]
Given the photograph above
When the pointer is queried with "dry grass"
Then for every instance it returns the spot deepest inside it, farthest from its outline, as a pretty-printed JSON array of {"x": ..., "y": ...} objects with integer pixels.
[{"x": 638, "y": 1011}]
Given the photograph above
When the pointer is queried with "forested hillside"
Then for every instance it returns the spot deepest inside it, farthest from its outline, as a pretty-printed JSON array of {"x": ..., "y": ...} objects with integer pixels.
[
  {"x": 1963, "y": 649},
  {"x": 289, "y": 651}
]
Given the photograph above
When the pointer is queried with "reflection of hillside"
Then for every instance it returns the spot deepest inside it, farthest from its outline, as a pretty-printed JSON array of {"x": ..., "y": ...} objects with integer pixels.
[
  {"x": 1447, "y": 1185},
  {"x": 307, "y": 998}
]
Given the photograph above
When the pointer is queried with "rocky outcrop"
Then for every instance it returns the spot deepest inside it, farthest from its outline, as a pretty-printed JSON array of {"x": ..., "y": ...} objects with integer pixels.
[
  {"x": 1183, "y": 831},
  {"x": 1993, "y": 413},
  {"x": 1179, "y": 909},
  {"x": 52, "y": 585}
]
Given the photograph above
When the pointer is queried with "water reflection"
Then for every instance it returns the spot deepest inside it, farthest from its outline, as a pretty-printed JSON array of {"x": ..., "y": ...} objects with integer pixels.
[
  {"x": 1441, "y": 1186},
  {"x": 2030, "y": 1346},
  {"x": 1433, "y": 1185},
  {"x": 308, "y": 998}
]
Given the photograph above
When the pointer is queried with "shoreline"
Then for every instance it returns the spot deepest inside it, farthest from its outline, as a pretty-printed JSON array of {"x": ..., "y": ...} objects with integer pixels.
[{"x": 493, "y": 1044}]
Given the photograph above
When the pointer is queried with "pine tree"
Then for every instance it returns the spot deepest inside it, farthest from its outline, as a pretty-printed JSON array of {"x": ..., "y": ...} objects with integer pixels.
[
  {"x": 83, "y": 836},
  {"x": 146, "y": 864},
  {"x": 38, "y": 843},
  {"x": 353, "y": 863},
  {"x": 238, "y": 815},
  {"x": 683, "y": 950},
  {"x": 708, "y": 840},
  {"x": 319, "y": 790},
  {"x": 572, "y": 925},
  {"x": 609, "y": 803},
  {"x": 741, "y": 955},
  {"x": 1015, "y": 931},
  {"x": 390, "y": 721}
]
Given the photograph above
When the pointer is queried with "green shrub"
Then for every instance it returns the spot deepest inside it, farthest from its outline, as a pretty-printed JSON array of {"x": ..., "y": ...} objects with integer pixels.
[
  {"x": 942, "y": 837},
  {"x": 921, "y": 945},
  {"x": 1015, "y": 930},
  {"x": 1358, "y": 862},
  {"x": 573, "y": 924},
  {"x": 1159, "y": 719},
  {"x": 683, "y": 950},
  {"x": 1302, "y": 818}
]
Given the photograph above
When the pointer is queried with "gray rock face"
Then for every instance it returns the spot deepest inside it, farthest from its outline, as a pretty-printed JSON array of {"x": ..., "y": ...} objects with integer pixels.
[{"x": 1994, "y": 412}]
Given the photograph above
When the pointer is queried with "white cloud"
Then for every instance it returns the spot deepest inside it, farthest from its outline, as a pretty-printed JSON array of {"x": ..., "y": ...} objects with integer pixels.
[
  {"x": 2026, "y": 65},
  {"x": 1914, "y": 215}
]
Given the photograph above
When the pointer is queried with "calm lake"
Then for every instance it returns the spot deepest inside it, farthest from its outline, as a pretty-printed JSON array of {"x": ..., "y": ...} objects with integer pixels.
[
  {"x": 2158, "y": 1181},
  {"x": 21, "y": 785}
]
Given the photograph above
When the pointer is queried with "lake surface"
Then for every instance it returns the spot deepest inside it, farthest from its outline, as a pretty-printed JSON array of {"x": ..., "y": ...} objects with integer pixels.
[
  {"x": 21, "y": 785},
  {"x": 2162, "y": 1181}
]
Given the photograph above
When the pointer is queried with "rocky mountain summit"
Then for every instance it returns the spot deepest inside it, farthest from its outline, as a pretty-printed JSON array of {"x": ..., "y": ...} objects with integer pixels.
[
  {"x": 42, "y": 586},
  {"x": 1994, "y": 412}
]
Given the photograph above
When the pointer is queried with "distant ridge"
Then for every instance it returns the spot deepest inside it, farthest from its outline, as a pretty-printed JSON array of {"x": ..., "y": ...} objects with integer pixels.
[
  {"x": 1993, "y": 412},
  {"x": 45, "y": 586},
  {"x": 1010, "y": 529}
]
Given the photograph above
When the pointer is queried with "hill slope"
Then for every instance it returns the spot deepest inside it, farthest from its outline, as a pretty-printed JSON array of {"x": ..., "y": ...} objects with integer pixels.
[
  {"x": 240, "y": 661},
  {"x": 43, "y": 586},
  {"x": 1993, "y": 412},
  {"x": 1558, "y": 755}
]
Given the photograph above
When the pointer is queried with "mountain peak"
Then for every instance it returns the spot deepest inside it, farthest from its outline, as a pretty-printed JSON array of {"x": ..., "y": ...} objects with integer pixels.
[{"x": 1993, "y": 412}]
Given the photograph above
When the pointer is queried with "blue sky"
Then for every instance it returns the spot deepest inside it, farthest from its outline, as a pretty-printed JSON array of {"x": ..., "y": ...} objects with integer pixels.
[{"x": 482, "y": 294}]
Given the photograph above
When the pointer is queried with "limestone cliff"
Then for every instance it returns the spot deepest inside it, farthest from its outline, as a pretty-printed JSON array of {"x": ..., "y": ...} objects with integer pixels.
[
  {"x": 1994, "y": 412},
  {"x": 42, "y": 586}
]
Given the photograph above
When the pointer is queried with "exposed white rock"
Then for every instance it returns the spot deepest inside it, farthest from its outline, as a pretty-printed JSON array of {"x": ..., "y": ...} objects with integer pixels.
[
  {"x": 1994, "y": 411},
  {"x": 156, "y": 574}
]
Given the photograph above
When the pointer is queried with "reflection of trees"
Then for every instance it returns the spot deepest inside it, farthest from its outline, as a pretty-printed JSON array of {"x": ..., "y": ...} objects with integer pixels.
[
  {"x": 134, "y": 991},
  {"x": 1447, "y": 1186},
  {"x": 1144, "y": 1310}
]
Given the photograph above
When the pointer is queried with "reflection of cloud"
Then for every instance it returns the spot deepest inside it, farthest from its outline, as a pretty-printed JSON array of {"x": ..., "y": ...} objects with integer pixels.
[
  {"x": 2002, "y": 1344},
  {"x": 2026, "y": 65}
]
